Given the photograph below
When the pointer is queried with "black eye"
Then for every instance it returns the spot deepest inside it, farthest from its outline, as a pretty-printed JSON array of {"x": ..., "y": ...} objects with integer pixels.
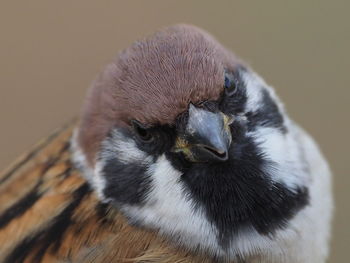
[
  {"x": 142, "y": 132},
  {"x": 230, "y": 85}
]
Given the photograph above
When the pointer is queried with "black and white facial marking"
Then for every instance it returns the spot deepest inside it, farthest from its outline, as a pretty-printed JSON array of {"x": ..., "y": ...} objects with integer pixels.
[
  {"x": 230, "y": 206},
  {"x": 127, "y": 158}
]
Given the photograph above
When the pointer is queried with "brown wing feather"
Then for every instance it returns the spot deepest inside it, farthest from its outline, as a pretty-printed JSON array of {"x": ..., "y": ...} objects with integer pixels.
[{"x": 48, "y": 213}]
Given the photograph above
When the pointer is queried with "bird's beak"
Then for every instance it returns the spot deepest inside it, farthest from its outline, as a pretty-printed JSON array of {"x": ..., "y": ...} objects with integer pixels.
[{"x": 207, "y": 136}]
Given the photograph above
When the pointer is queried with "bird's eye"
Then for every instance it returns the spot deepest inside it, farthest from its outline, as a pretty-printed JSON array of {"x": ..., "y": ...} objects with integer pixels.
[
  {"x": 230, "y": 85},
  {"x": 142, "y": 132}
]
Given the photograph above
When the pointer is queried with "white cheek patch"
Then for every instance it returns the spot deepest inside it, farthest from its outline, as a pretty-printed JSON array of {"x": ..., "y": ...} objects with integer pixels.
[
  {"x": 283, "y": 150},
  {"x": 125, "y": 150},
  {"x": 254, "y": 91},
  {"x": 255, "y": 87},
  {"x": 122, "y": 147},
  {"x": 115, "y": 146}
]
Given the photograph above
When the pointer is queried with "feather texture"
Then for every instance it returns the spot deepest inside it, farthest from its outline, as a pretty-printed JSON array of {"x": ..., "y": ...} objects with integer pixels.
[{"x": 49, "y": 214}]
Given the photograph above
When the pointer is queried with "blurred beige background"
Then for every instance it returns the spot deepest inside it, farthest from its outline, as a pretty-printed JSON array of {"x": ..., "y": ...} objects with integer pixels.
[{"x": 50, "y": 51}]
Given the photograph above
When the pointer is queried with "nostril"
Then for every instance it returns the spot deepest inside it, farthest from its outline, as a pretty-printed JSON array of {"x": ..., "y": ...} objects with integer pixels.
[{"x": 219, "y": 153}]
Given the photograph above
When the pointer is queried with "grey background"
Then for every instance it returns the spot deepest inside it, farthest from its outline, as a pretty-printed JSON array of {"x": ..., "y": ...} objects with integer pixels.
[{"x": 50, "y": 51}]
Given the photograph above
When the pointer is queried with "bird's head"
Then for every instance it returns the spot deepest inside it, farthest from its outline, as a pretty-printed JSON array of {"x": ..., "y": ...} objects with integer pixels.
[{"x": 185, "y": 139}]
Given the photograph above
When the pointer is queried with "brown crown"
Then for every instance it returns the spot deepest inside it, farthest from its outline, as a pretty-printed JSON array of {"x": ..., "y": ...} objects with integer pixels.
[{"x": 153, "y": 81}]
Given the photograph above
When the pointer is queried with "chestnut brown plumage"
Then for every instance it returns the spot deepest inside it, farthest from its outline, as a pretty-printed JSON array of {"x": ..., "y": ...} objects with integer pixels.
[{"x": 181, "y": 62}]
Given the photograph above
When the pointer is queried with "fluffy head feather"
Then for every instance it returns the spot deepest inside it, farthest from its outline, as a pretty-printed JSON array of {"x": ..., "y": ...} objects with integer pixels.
[{"x": 181, "y": 62}]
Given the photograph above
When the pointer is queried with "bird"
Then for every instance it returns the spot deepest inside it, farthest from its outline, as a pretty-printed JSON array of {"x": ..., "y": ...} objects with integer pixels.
[{"x": 182, "y": 153}]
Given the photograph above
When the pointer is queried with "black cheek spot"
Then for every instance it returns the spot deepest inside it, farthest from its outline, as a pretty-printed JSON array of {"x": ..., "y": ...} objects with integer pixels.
[
  {"x": 126, "y": 183},
  {"x": 268, "y": 115}
]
